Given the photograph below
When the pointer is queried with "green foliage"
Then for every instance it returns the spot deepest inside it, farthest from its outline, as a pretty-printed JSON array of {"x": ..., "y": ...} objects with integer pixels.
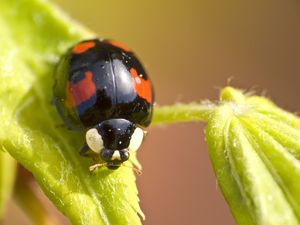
[
  {"x": 254, "y": 147},
  {"x": 33, "y": 36}
]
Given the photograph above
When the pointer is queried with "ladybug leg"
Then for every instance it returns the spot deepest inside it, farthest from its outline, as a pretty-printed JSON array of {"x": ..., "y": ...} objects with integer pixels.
[
  {"x": 52, "y": 101},
  {"x": 60, "y": 126},
  {"x": 84, "y": 149},
  {"x": 63, "y": 126},
  {"x": 96, "y": 158}
]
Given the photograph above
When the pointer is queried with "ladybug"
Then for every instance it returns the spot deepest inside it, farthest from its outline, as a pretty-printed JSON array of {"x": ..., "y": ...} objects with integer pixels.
[{"x": 101, "y": 87}]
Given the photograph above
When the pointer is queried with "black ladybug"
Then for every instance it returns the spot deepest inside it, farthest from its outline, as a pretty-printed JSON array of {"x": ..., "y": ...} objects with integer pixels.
[{"x": 102, "y": 87}]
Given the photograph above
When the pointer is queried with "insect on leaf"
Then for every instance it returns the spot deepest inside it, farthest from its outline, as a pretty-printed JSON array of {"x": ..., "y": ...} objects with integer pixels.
[{"x": 34, "y": 34}]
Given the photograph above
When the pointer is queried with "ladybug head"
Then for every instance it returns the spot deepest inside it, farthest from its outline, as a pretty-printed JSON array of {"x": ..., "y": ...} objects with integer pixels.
[{"x": 114, "y": 139}]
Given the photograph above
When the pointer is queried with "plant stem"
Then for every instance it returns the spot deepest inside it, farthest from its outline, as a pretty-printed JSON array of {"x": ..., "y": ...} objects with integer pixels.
[
  {"x": 183, "y": 113},
  {"x": 7, "y": 179},
  {"x": 29, "y": 202}
]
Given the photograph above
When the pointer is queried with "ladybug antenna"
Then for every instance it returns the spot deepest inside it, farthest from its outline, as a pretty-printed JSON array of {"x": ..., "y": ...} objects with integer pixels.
[
  {"x": 136, "y": 170},
  {"x": 95, "y": 166}
]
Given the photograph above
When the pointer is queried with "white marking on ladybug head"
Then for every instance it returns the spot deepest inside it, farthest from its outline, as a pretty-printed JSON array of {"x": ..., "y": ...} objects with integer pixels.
[
  {"x": 94, "y": 140},
  {"x": 136, "y": 139},
  {"x": 116, "y": 155}
]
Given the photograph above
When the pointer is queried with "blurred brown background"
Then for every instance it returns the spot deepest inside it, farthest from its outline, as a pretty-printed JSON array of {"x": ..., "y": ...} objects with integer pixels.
[{"x": 190, "y": 49}]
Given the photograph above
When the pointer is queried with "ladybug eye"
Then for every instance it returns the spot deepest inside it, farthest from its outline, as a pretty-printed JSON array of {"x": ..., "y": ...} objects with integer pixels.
[
  {"x": 136, "y": 139},
  {"x": 94, "y": 140}
]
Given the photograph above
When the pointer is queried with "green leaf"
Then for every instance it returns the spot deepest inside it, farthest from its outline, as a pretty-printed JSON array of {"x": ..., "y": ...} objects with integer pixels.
[
  {"x": 7, "y": 179},
  {"x": 255, "y": 149},
  {"x": 33, "y": 36}
]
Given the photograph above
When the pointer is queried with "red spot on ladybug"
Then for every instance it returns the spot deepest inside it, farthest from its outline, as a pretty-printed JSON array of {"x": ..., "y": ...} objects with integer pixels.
[
  {"x": 83, "y": 47},
  {"x": 141, "y": 86},
  {"x": 81, "y": 91},
  {"x": 119, "y": 45}
]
